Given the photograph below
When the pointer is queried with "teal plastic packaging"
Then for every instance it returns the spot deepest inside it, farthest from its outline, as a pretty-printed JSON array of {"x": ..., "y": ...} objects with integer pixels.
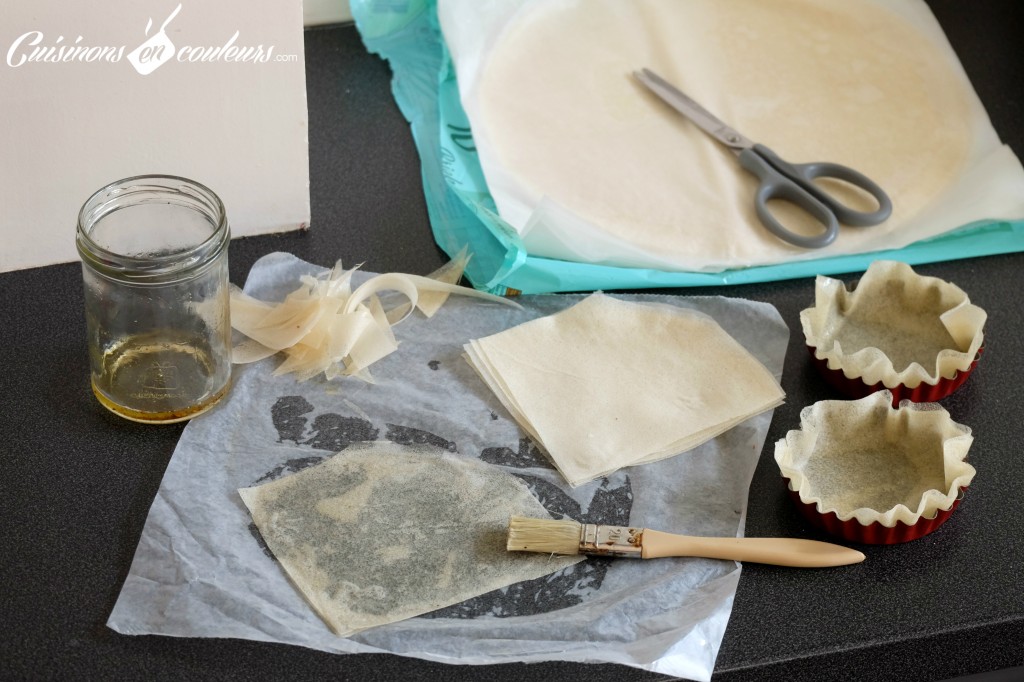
[{"x": 462, "y": 211}]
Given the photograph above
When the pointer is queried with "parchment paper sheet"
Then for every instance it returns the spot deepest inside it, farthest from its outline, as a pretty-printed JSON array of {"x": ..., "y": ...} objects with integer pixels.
[{"x": 199, "y": 570}]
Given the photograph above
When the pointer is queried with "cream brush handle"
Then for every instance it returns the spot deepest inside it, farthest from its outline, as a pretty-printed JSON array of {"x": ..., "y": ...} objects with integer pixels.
[{"x": 776, "y": 551}]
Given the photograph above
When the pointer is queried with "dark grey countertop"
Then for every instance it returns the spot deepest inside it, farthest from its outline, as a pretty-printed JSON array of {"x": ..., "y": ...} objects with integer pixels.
[{"x": 77, "y": 482}]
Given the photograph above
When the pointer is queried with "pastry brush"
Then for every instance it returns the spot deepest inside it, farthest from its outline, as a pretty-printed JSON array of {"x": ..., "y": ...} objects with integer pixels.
[{"x": 548, "y": 536}]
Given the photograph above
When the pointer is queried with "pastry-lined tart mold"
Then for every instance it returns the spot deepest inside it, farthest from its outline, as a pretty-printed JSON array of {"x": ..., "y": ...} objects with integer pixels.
[
  {"x": 919, "y": 337},
  {"x": 873, "y": 473}
]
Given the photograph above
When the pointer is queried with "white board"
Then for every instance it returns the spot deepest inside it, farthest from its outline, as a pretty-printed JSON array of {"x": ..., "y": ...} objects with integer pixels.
[
  {"x": 93, "y": 92},
  {"x": 320, "y": 12}
]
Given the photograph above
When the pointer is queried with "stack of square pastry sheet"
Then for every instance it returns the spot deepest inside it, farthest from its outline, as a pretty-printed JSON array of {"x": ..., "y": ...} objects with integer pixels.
[{"x": 609, "y": 383}]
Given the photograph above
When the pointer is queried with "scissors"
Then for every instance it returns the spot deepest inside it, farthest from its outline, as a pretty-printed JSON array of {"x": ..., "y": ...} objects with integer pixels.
[{"x": 790, "y": 182}]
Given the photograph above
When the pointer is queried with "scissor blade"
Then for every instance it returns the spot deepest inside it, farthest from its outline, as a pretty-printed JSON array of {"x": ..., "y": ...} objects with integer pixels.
[{"x": 703, "y": 118}]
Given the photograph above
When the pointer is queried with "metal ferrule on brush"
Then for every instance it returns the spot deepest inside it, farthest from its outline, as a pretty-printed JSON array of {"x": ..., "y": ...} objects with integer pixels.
[{"x": 611, "y": 540}]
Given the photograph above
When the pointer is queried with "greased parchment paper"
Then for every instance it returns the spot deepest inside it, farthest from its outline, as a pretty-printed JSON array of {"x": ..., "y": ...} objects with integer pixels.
[{"x": 200, "y": 571}]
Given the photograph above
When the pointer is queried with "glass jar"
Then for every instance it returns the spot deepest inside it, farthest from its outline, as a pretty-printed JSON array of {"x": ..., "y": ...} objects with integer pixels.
[{"x": 154, "y": 252}]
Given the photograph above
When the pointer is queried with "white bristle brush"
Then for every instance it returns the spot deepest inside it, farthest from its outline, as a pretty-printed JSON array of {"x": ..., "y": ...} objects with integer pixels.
[{"x": 548, "y": 536}]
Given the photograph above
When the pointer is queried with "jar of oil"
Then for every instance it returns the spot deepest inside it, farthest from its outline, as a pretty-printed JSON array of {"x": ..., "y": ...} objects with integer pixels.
[{"x": 154, "y": 255}]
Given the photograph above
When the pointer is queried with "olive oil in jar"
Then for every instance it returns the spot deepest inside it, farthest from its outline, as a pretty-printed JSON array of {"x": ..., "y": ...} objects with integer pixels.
[{"x": 161, "y": 376}]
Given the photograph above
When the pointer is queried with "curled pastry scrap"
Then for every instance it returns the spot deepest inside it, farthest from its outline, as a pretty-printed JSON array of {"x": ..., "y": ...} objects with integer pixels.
[{"x": 327, "y": 326}]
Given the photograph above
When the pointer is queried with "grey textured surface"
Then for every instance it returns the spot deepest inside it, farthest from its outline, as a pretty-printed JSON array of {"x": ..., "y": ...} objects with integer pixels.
[{"x": 78, "y": 481}]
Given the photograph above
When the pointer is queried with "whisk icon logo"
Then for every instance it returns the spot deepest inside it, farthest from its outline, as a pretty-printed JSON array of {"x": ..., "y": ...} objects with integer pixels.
[{"x": 157, "y": 50}]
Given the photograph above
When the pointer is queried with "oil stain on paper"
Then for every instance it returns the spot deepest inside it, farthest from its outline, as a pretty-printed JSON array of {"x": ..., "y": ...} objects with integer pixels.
[{"x": 296, "y": 420}]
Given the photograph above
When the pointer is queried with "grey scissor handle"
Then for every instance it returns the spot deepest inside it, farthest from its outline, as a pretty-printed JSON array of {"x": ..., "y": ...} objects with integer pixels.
[
  {"x": 775, "y": 185},
  {"x": 794, "y": 182}
]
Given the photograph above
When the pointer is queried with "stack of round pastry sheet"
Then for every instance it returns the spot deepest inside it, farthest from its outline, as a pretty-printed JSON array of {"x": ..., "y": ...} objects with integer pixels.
[
  {"x": 609, "y": 383},
  {"x": 919, "y": 337},
  {"x": 587, "y": 166},
  {"x": 872, "y": 473}
]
